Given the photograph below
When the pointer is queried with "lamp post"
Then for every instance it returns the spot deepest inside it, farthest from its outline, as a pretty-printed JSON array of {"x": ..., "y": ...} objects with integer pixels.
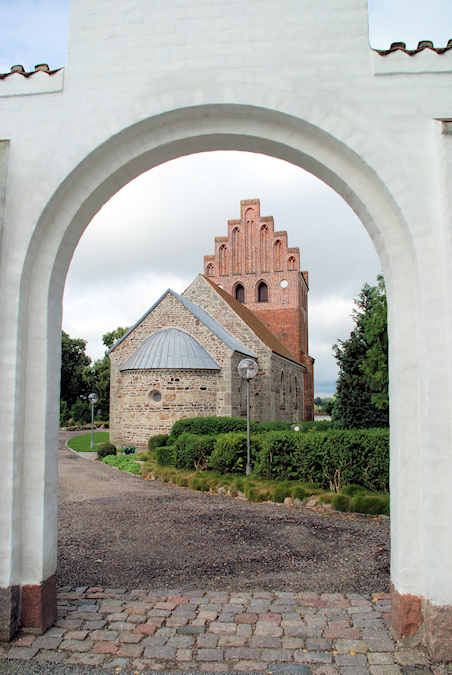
[
  {"x": 92, "y": 398},
  {"x": 247, "y": 370}
]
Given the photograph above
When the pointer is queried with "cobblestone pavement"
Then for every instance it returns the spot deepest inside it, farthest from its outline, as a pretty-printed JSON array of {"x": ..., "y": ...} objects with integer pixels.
[{"x": 207, "y": 631}]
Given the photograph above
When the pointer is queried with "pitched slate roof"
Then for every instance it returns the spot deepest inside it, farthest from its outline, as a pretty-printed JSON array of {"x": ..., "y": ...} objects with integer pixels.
[
  {"x": 170, "y": 348},
  {"x": 205, "y": 318},
  {"x": 256, "y": 325}
]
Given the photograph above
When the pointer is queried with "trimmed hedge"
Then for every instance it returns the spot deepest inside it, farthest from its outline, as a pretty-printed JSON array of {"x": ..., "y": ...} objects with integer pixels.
[
  {"x": 105, "y": 449},
  {"x": 230, "y": 452},
  {"x": 122, "y": 463},
  {"x": 164, "y": 455},
  {"x": 332, "y": 459},
  {"x": 263, "y": 427},
  {"x": 316, "y": 426},
  {"x": 157, "y": 441},
  {"x": 192, "y": 451},
  {"x": 210, "y": 426}
]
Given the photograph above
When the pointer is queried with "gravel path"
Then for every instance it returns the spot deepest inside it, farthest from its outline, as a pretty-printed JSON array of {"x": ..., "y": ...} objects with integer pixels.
[{"x": 119, "y": 530}]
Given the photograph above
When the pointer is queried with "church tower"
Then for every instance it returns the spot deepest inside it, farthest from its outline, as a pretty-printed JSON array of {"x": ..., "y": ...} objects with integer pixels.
[{"x": 255, "y": 265}]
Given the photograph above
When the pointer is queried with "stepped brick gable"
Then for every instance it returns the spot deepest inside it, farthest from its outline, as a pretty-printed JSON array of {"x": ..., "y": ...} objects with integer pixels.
[{"x": 256, "y": 266}]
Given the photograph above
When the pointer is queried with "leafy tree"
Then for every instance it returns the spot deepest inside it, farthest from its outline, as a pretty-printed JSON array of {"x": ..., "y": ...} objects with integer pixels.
[
  {"x": 375, "y": 364},
  {"x": 109, "y": 339},
  {"x": 357, "y": 358},
  {"x": 74, "y": 361}
]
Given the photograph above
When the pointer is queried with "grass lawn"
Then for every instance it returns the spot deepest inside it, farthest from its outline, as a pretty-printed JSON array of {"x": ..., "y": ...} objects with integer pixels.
[{"x": 83, "y": 443}]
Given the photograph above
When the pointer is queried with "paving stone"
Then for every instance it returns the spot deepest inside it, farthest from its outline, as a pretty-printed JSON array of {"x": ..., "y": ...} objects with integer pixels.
[
  {"x": 345, "y": 633},
  {"x": 165, "y": 652},
  {"x": 105, "y": 648},
  {"x": 181, "y": 641},
  {"x": 249, "y": 667},
  {"x": 411, "y": 658},
  {"x": 244, "y": 630},
  {"x": 155, "y": 641},
  {"x": 360, "y": 622},
  {"x": 117, "y": 663},
  {"x": 415, "y": 670},
  {"x": 23, "y": 653},
  {"x": 303, "y": 631},
  {"x": 25, "y": 641},
  {"x": 353, "y": 670},
  {"x": 385, "y": 669},
  {"x": 210, "y": 655},
  {"x": 380, "y": 644},
  {"x": 269, "y": 655},
  {"x": 77, "y": 645},
  {"x": 222, "y": 628},
  {"x": 230, "y": 608},
  {"x": 145, "y": 629},
  {"x": 270, "y": 617},
  {"x": 47, "y": 643},
  {"x": 246, "y": 617},
  {"x": 269, "y": 631},
  {"x": 214, "y": 667},
  {"x": 376, "y": 659},
  {"x": 292, "y": 668},
  {"x": 87, "y": 659},
  {"x": 318, "y": 644},
  {"x": 315, "y": 620},
  {"x": 76, "y": 635},
  {"x": 120, "y": 626},
  {"x": 175, "y": 622},
  {"x": 313, "y": 657},
  {"x": 68, "y": 623},
  {"x": 116, "y": 591},
  {"x": 94, "y": 625},
  {"x": 129, "y": 638},
  {"x": 267, "y": 642},
  {"x": 293, "y": 643},
  {"x": 104, "y": 635},
  {"x": 207, "y": 640},
  {"x": 346, "y": 646},
  {"x": 243, "y": 653},
  {"x": 191, "y": 630},
  {"x": 133, "y": 651},
  {"x": 117, "y": 616},
  {"x": 184, "y": 655},
  {"x": 231, "y": 641},
  {"x": 226, "y": 618},
  {"x": 350, "y": 659},
  {"x": 55, "y": 632},
  {"x": 51, "y": 656}
]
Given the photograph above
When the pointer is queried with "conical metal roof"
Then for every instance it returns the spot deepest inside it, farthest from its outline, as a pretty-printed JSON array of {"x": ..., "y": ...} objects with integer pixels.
[{"x": 170, "y": 348}]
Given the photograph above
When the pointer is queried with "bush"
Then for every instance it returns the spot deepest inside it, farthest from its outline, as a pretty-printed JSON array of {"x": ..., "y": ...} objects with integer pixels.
[
  {"x": 210, "y": 426},
  {"x": 340, "y": 502},
  {"x": 157, "y": 441},
  {"x": 81, "y": 411},
  {"x": 371, "y": 504},
  {"x": 316, "y": 426},
  {"x": 64, "y": 413},
  {"x": 230, "y": 452},
  {"x": 105, "y": 449},
  {"x": 263, "y": 427},
  {"x": 330, "y": 459},
  {"x": 164, "y": 455},
  {"x": 192, "y": 451},
  {"x": 351, "y": 490}
]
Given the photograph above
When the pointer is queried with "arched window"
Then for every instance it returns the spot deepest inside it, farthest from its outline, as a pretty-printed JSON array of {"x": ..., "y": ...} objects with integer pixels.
[
  {"x": 249, "y": 227},
  {"x": 222, "y": 260},
  {"x": 296, "y": 393},
  {"x": 263, "y": 244},
  {"x": 277, "y": 255},
  {"x": 236, "y": 266},
  {"x": 240, "y": 293},
  {"x": 282, "y": 391},
  {"x": 291, "y": 263},
  {"x": 243, "y": 409},
  {"x": 209, "y": 270},
  {"x": 262, "y": 292}
]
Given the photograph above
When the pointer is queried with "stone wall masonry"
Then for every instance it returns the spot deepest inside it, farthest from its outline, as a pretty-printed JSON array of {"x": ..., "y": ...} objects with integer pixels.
[{"x": 287, "y": 390}]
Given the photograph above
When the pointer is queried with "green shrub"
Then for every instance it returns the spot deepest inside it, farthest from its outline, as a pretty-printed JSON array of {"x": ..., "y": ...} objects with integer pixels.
[
  {"x": 371, "y": 504},
  {"x": 280, "y": 493},
  {"x": 316, "y": 426},
  {"x": 298, "y": 492},
  {"x": 164, "y": 455},
  {"x": 351, "y": 490},
  {"x": 340, "y": 502},
  {"x": 147, "y": 468},
  {"x": 230, "y": 453},
  {"x": 122, "y": 463},
  {"x": 210, "y": 426},
  {"x": 105, "y": 449},
  {"x": 157, "y": 441},
  {"x": 192, "y": 451},
  {"x": 263, "y": 427},
  {"x": 332, "y": 459}
]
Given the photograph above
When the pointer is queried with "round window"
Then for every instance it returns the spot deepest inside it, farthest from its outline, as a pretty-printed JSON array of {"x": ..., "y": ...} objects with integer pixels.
[
  {"x": 283, "y": 283},
  {"x": 154, "y": 397}
]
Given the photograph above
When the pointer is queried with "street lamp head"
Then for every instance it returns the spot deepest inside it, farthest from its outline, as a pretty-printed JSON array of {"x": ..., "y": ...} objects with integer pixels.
[
  {"x": 247, "y": 369},
  {"x": 92, "y": 398}
]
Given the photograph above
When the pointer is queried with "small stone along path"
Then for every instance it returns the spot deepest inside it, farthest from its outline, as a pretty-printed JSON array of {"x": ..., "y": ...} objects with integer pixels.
[{"x": 208, "y": 631}]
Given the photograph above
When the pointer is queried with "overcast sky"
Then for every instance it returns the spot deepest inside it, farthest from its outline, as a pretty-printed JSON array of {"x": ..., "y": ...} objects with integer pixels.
[{"x": 134, "y": 249}]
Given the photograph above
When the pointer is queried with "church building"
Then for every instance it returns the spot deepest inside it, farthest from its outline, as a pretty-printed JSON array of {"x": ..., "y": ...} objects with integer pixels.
[{"x": 180, "y": 359}]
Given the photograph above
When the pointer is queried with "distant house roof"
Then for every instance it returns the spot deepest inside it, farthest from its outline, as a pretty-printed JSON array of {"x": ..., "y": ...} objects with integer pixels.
[
  {"x": 256, "y": 325},
  {"x": 205, "y": 318},
  {"x": 170, "y": 348}
]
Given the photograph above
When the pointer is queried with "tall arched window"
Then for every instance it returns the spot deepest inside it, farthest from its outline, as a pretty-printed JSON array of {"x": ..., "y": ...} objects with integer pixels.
[
  {"x": 249, "y": 232},
  {"x": 282, "y": 391},
  {"x": 263, "y": 245},
  {"x": 236, "y": 266},
  {"x": 277, "y": 255},
  {"x": 291, "y": 263},
  {"x": 296, "y": 393},
  {"x": 262, "y": 292},
  {"x": 240, "y": 293},
  {"x": 222, "y": 260},
  {"x": 209, "y": 270}
]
